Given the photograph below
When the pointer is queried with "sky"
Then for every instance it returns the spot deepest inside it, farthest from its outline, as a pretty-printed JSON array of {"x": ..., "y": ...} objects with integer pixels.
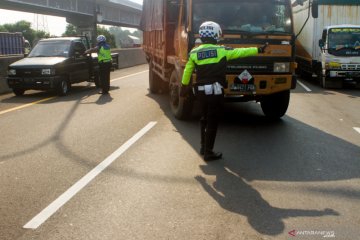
[{"x": 54, "y": 25}]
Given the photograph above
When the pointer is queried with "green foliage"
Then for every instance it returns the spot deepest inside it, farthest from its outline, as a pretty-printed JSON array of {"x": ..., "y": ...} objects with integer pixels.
[
  {"x": 25, "y": 28},
  {"x": 71, "y": 30},
  {"x": 110, "y": 38},
  {"x": 33, "y": 36},
  {"x": 121, "y": 35}
]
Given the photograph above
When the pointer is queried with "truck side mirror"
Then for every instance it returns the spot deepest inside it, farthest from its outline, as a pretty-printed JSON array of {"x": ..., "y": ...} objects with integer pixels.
[
  {"x": 315, "y": 9},
  {"x": 321, "y": 43}
]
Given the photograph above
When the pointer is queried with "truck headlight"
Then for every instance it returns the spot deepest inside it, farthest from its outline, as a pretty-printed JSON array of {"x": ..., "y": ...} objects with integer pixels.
[
  {"x": 281, "y": 67},
  {"x": 12, "y": 72},
  {"x": 47, "y": 71}
]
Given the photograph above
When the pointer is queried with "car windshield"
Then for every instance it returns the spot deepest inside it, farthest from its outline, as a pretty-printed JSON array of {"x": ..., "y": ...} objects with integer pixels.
[
  {"x": 249, "y": 16},
  {"x": 58, "y": 48}
]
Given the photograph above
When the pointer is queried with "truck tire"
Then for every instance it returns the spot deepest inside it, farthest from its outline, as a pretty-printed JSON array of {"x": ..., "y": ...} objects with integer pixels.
[
  {"x": 63, "y": 87},
  {"x": 155, "y": 82},
  {"x": 180, "y": 107},
  {"x": 275, "y": 105},
  {"x": 327, "y": 83},
  {"x": 18, "y": 91}
]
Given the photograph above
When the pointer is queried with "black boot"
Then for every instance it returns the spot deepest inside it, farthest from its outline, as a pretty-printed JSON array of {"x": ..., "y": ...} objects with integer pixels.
[
  {"x": 209, "y": 155},
  {"x": 202, "y": 136}
]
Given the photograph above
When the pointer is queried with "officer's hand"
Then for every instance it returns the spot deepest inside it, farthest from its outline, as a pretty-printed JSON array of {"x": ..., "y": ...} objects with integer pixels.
[
  {"x": 184, "y": 90},
  {"x": 262, "y": 48}
]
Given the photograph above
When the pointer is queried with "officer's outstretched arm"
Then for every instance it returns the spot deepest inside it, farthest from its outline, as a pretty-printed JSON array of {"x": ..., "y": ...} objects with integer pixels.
[
  {"x": 189, "y": 68},
  {"x": 241, "y": 53}
]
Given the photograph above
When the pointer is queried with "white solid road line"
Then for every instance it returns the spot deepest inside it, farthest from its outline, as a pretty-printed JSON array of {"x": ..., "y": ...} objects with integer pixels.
[
  {"x": 357, "y": 129},
  {"x": 74, "y": 189},
  {"x": 304, "y": 86},
  {"x": 128, "y": 76}
]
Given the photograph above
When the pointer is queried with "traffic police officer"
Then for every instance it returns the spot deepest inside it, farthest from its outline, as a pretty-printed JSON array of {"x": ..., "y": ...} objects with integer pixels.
[
  {"x": 105, "y": 62},
  {"x": 209, "y": 60}
]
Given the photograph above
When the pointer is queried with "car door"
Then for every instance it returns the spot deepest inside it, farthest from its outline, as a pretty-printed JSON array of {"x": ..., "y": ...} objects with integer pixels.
[{"x": 79, "y": 64}]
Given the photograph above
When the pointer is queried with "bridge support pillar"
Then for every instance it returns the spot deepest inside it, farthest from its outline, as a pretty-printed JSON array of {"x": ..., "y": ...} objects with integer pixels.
[{"x": 85, "y": 26}]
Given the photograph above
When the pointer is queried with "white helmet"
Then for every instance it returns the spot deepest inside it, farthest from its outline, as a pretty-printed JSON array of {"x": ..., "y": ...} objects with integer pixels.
[
  {"x": 101, "y": 38},
  {"x": 210, "y": 30}
]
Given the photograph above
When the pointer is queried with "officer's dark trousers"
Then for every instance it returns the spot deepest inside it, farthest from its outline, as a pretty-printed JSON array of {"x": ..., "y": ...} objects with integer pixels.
[
  {"x": 211, "y": 109},
  {"x": 104, "y": 74}
]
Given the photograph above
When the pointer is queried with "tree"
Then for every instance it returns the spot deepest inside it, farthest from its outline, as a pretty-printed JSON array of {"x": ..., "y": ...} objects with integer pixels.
[
  {"x": 110, "y": 38},
  {"x": 25, "y": 28},
  {"x": 71, "y": 30},
  {"x": 122, "y": 36}
]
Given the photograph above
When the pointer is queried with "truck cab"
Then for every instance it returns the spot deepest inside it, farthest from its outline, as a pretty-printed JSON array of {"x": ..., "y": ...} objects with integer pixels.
[
  {"x": 340, "y": 54},
  {"x": 171, "y": 30}
]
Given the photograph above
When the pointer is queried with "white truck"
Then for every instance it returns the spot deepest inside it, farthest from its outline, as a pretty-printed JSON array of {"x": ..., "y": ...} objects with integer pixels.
[{"x": 328, "y": 47}]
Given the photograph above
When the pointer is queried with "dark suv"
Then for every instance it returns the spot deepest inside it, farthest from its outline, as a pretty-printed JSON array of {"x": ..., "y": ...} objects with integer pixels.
[{"x": 53, "y": 64}]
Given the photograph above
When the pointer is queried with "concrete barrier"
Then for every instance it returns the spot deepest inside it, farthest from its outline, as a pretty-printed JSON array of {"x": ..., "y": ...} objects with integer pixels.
[
  {"x": 130, "y": 57},
  {"x": 127, "y": 58}
]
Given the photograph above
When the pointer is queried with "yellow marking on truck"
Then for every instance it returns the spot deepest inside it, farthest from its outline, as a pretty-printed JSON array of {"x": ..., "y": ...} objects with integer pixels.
[{"x": 26, "y": 105}]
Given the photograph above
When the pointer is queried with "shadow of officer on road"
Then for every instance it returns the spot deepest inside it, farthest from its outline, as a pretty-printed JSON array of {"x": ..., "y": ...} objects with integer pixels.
[{"x": 235, "y": 195}]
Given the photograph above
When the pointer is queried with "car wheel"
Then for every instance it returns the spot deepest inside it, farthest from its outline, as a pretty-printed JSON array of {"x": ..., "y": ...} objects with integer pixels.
[
  {"x": 64, "y": 87},
  {"x": 18, "y": 91}
]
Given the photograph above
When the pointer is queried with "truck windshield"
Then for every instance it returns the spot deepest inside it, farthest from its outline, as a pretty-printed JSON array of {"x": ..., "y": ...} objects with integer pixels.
[
  {"x": 59, "y": 48},
  {"x": 344, "y": 41},
  {"x": 251, "y": 16}
]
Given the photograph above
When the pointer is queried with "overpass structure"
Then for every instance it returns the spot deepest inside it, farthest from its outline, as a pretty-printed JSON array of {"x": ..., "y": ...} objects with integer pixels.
[{"x": 84, "y": 14}]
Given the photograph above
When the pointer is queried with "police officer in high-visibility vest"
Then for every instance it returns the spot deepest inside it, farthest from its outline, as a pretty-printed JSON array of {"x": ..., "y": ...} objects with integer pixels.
[
  {"x": 105, "y": 62},
  {"x": 209, "y": 60}
]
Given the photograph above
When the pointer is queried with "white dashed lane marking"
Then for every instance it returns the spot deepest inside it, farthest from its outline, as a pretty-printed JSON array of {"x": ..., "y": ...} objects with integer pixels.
[
  {"x": 304, "y": 86},
  {"x": 357, "y": 129}
]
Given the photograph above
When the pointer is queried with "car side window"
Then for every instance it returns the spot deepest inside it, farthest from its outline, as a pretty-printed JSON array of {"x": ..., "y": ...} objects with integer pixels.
[{"x": 79, "y": 48}]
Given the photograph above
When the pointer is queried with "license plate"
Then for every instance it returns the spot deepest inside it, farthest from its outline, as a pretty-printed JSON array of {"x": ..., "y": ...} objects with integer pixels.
[{"x": 239, "y": 87}]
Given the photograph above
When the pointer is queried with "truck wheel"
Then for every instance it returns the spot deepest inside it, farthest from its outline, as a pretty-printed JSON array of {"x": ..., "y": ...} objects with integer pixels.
[
  {"x": 64, "y": 87},
  {"x": 155, "y": 81},
  {"x": 180, "y": 107},
  {"x": 18, "y": 91},
  {"x": 275, "y": 105},
  {"x": 327, "y": 83}
]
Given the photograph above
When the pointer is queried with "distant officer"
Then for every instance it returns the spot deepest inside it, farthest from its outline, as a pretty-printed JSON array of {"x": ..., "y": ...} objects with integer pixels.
[
  {"x": 105, "y": 62},
  {"x": 209, "y": 60}
]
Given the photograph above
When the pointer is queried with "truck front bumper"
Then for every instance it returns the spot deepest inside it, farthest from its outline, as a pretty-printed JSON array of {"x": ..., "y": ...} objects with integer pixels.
[
  {"x": 344, "y": 74},
  {"x": 36, "y": 83}
]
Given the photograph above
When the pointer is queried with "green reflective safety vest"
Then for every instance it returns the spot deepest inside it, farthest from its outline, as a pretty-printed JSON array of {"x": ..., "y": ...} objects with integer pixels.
[
  {"x": 104, "y": 54},
  {"x": 210, "y": 62}
]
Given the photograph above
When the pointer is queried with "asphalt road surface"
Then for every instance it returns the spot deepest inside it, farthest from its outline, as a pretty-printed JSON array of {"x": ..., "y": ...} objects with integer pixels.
[{"x": 120, "y": 166}]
